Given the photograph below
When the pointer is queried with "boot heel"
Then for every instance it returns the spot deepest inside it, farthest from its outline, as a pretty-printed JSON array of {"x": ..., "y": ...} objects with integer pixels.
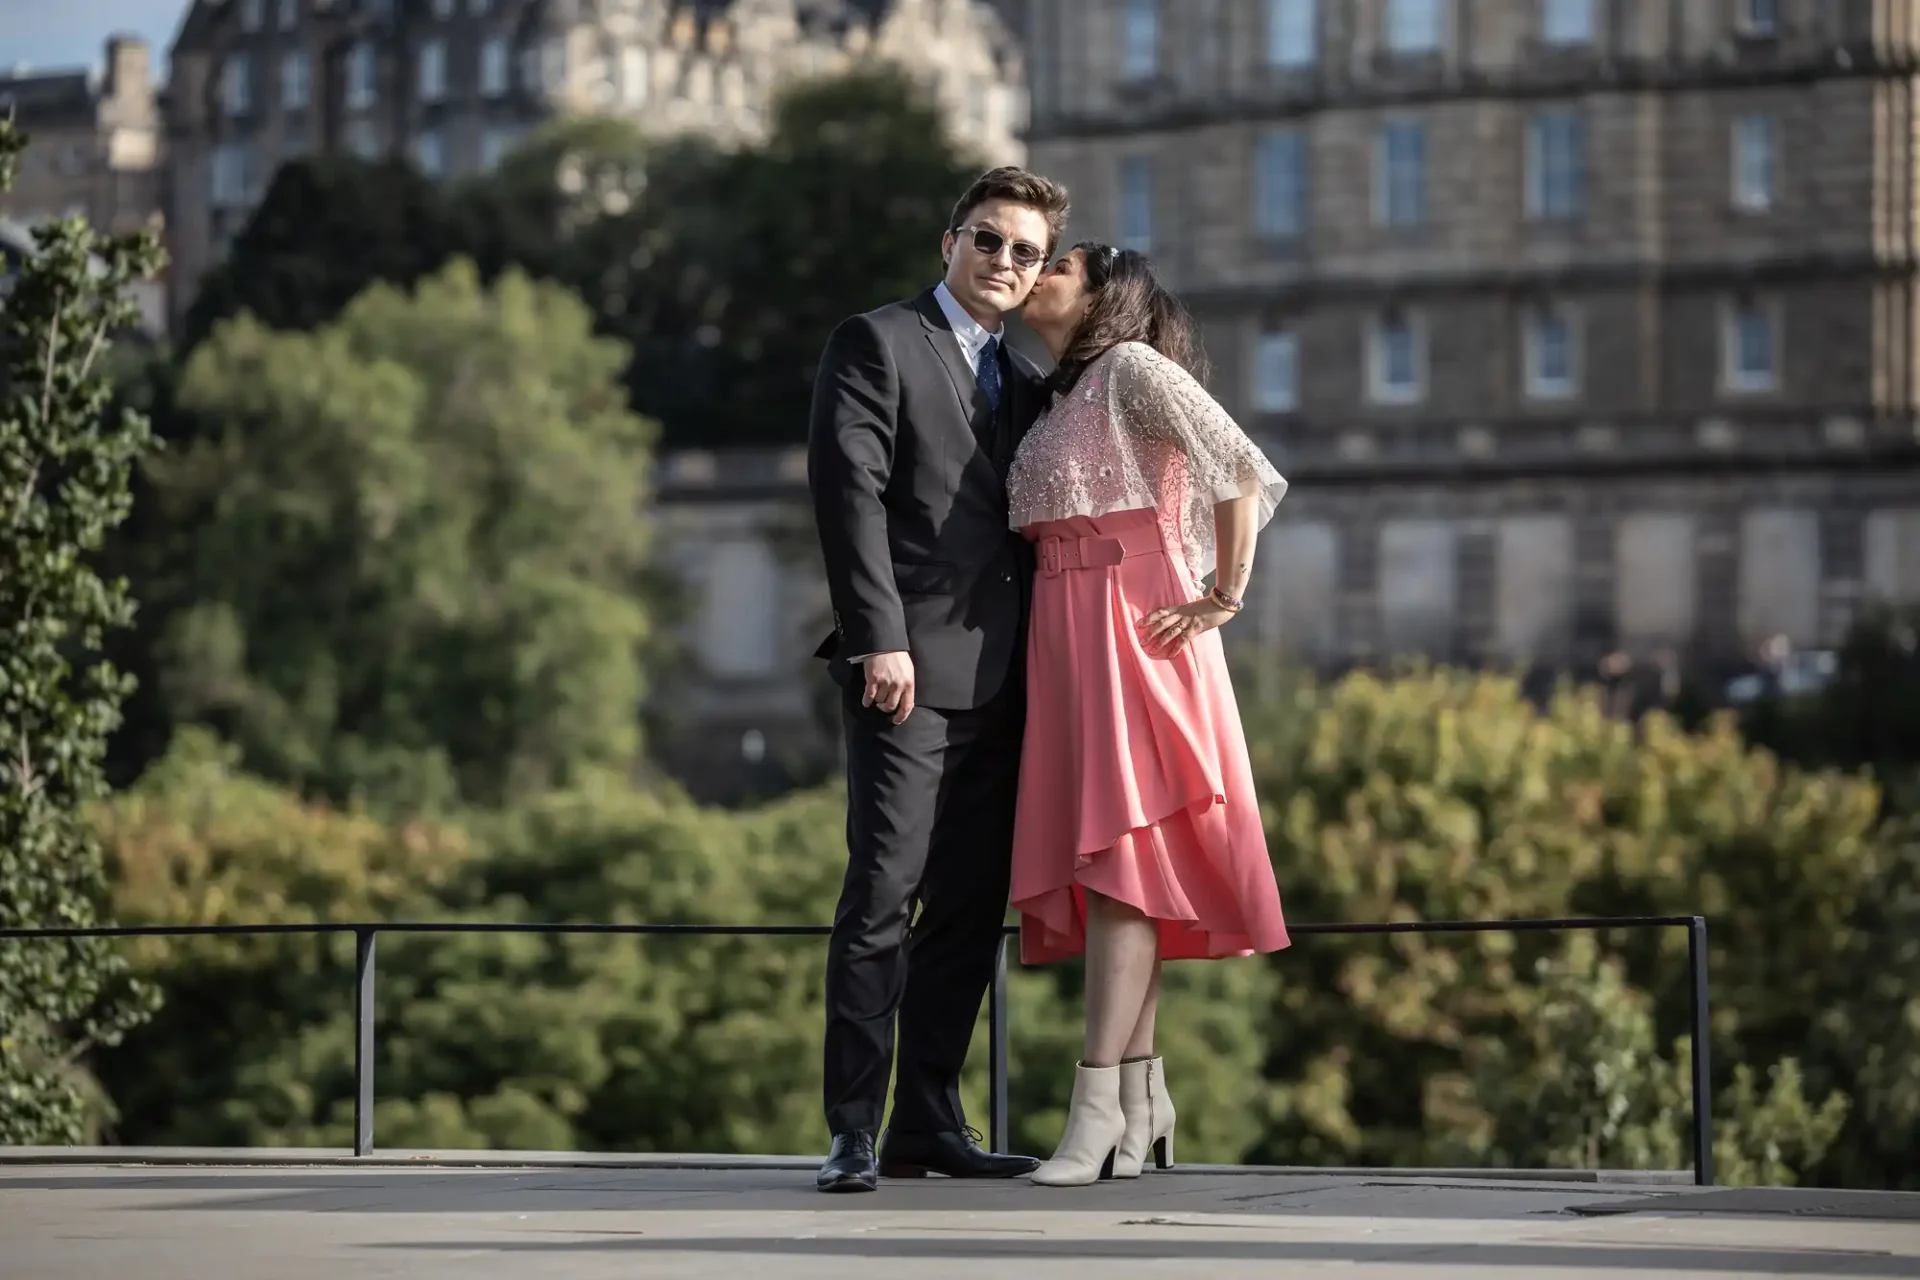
[{"x": 1163, "y": 1152}]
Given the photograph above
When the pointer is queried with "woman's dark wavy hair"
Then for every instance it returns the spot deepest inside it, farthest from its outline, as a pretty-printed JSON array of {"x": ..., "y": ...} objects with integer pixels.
[{"x": 1129, "y": 305}]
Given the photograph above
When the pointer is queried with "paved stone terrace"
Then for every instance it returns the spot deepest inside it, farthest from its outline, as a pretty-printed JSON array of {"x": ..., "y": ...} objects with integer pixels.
[{"x": 449, "y": 1216}]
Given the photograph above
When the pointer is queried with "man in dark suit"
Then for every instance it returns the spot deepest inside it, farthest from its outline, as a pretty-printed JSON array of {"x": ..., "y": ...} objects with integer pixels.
[{"x": 916, "y": 413}]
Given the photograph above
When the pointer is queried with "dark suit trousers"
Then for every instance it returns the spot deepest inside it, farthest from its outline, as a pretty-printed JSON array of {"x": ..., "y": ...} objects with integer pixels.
[{"x": 929, "y": 823}]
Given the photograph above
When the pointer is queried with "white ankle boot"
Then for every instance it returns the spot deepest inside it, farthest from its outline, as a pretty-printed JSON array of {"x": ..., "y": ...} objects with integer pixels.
[
  {"x": 1149, "y": 1116},
  {"x": 1095, "y": 1125}
]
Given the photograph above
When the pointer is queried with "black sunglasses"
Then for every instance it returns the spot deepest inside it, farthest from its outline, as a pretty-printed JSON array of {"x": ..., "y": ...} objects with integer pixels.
[{"x": 988, "y": 242}]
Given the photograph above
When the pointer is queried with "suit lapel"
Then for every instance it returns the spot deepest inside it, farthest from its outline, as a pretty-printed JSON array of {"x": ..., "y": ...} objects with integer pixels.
[{"x": 967, "y": 395}]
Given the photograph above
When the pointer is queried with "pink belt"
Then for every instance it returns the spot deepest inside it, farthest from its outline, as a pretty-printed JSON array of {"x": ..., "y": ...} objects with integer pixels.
[{"x": 1055, "y": 554}]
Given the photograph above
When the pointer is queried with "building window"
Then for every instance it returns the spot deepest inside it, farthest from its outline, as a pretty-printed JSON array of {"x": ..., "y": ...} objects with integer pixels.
[
  {"x": 1293, "y": 29},
  {"x": 433, "y": 71},
  {"x": 296, "y": 85},
  {"x": 740, "y": 624},
  {"x": 1758, "y": 17},
  {"x": 1566, "y": 21},
  {"x": 1140, "y": 39},
  {"x": 1276, "y": 371},
  {"x": 1556, "y": 164},
  {"x": 1413, "y": 26},
  {"x": 1552, "y": 353},
  {"x": 443, "y": 8},
  {"x": 553, "y": 63},
  {"x": 253, "y": 13},
  {"x": 1753, "y": 163},
  {"x": 361, "y": 90},
  {"x": 1280, "y": 182},
  {"x": 289, "y": 14},
  {"x": 1396, "y": 359},
  {"x": 1749, "y": 347},
  {"x": 236, "y": 85},
  {"x": 636, "y": 76},
  {"x": 363, "y": 139},
  {"x": 493, "y": 66},
  {"x": 1400, "y": 174},
  {"x": 1136, "y": 204},
  {"x": 229, "y": 176},
  {"x": 430, "y": 153},
  {"x": 478, "y": 7},
  {"x": 494, "y": 145}
]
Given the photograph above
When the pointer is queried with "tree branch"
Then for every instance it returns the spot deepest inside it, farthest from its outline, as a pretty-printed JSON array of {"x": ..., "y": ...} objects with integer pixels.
[{"x": 53, "y": 353}]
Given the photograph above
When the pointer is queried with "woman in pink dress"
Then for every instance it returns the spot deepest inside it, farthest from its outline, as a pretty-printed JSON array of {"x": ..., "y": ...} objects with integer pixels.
[{"x": 1138, "y": 837}]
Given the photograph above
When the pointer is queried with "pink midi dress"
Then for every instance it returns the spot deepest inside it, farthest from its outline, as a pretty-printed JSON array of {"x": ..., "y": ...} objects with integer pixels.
[{"x": 1134, "y": 778}]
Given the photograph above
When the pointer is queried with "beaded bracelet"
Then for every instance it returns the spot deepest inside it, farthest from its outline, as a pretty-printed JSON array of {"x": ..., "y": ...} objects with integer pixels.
[{"x": 1225, "y": 601}]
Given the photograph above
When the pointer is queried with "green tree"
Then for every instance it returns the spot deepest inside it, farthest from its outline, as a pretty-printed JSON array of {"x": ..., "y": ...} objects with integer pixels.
[
  {"x": 1868, "y": 715},
  {"x": 723, "y": 271},
  {"x": 1581, "y": 1084},
  {"x": 590, "y": 1042},
  {"x": 407, "y": 549},
  {"x": 749, "y": 270},
  {"x": 1438, "y": 795},
  {"x": 326, "y": 228},
  {"x": 1448, "y": 796},
  {"x": 64, "y": 467}
]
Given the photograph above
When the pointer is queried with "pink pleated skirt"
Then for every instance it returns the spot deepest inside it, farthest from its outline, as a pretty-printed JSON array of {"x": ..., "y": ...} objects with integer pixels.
[{"x": 1134, "y": 778}]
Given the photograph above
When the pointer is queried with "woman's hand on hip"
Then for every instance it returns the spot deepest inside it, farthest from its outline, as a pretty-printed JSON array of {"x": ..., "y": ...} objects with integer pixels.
[{"x": 1164, "y": 632}]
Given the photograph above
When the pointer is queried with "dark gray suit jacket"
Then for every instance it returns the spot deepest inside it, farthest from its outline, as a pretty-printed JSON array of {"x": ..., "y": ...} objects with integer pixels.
[{"x": 907, "y": 464}]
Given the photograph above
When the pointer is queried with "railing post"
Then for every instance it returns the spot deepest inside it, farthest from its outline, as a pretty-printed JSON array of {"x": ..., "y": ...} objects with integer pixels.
[
  {"x": 363, "y": 1042},
  {"x": 1701, "y": 1034},
  {"x": 997, "y": 1050}
]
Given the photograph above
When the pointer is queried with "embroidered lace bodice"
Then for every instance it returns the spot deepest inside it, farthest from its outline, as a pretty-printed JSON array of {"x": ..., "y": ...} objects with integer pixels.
[{"x": 1137, "y": 432}]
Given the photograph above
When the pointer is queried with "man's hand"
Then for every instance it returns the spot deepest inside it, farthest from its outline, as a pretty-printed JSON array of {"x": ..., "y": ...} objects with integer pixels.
[{"x": 889, "y": 684}]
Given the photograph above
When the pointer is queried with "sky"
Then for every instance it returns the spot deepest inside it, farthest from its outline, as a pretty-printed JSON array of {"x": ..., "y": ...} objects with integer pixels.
[{"x": 50, "y": 34}]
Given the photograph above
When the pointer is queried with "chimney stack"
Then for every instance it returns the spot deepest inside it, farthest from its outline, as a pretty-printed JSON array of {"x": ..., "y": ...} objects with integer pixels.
[{"x": 129, "y": 67}]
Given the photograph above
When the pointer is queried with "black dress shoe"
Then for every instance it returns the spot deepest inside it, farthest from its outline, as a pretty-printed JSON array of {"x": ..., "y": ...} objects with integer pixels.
[
  {"x": 957, "y": 1155},
  {"x": 850, "y": 1165}
]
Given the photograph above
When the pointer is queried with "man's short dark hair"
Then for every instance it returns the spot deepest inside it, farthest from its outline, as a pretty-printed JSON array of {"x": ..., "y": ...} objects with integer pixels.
[{"x": 1017, "y": 185}]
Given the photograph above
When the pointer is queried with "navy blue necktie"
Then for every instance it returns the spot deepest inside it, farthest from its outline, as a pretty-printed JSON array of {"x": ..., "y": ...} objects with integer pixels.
[{"x": 986, "y": 372}]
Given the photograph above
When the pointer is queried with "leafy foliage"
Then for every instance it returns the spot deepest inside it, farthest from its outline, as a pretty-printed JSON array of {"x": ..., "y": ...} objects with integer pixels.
[
  {"x": 406, "y": 547},
  {"x": 64, "y": 467},
  {"x": 1438, "y": 795},
  {"x": 1869, "y": 715},
  {"x": 839, "y": 212},
  {"x": 327, "y": 227},
  {"x": 1446, "y": 796},
  {"x": 723, "y": 271}
]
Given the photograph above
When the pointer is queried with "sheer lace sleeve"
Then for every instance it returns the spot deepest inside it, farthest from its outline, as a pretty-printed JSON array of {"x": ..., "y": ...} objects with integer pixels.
[{"x": 1195, "y": 453}]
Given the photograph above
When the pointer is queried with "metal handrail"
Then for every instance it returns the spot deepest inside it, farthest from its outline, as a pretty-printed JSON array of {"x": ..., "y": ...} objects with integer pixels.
[{"x": 365, "y": 934}]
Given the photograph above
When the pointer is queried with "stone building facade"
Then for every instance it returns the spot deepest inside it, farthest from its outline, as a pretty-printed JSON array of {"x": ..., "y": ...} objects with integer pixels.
[
  {"x": 93, "y": 150},
  {"x": 1578, "y": 325},
  {"x": 454, "y": 83},
  {"x": 94, "y": 141}
]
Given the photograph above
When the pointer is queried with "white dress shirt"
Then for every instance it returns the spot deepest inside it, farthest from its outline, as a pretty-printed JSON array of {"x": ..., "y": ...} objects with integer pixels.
[
  {"x": 972, "y": 336},
  {"x": 968, "y": 330}
]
